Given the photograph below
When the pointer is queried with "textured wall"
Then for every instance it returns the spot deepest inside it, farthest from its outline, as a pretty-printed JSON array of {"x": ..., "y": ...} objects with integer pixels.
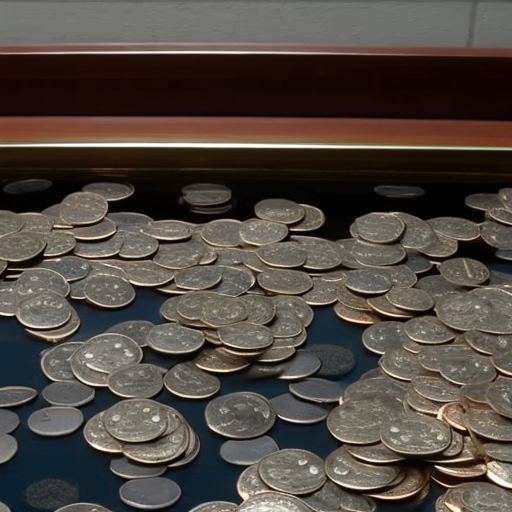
[{"x": 481, "y": 23}]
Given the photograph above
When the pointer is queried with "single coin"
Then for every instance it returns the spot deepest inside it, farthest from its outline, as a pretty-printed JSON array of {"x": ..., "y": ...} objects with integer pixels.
[
  {"x": 435, "y": 388},
  {"x": 419, "y": 403},
  {"x": 279, "y": 210},
  {"x": 136, "y": 381},
  {"x": 180, "y": 255},
  {"x": 150, "y": 493},
  {"x": 499, "y": 397},
  {"x": 45, "y": 310},
  {"x": 487, "y": 343},
  {"x": 111, "y": 191},
  {"x": 428, "y": 330},
  {"x": 484, "y": 496},
  {"x": 222, "y": 233},
  {"x": 349, "y": 473},
  {"x": 260, "y": 309},
  {"x": 28, "y": 186},
  {"x": 384, "y": 336},
  {"x": 4, "y": 507},
  {"x": 172, "y": 338},
  {"x": 467, "y": 369},
  {"x": 58, "y": 244},
  {"x": 109, "y": 291},
  {"x": 293, "y": 410},
  {"x": 61, "y": 333},
  {"x": 489, "y": 424},
  {"x": 240, "y": 415},
  {"x": 329, "y": 497},
  {"x": 8, "y": 448},
  {"x": 36, "y": 222},
  {"x": 198, "y": 278},
  {"x": 283, "y": 254},
  {"x": 380, "y": 228},
  {"x": 222, "y": 311},
  {"x": 414, "y": 481},
  {"x": 22, "y": 246},
  {"x": 400, "y": 364},
  {"x": 502, "y": 361},
  {"x": 83, "y": 507},
  {"x": 376, "y": 385},
  {"x": 246, "y": 336},
  {"x": 337, "y": 361},
  {"x": 188, "y": 381},
  {"x": 55, "y": 421},
  {"x": 262, "y": 232},
  {"x": 102, "y": 230},
  {"x": 137, "y": 245},
  {"x": 368, "y": 281},
  {"x": 247, "y": 451},
  {"x": 499, "y": 451},
  {"x": 9, "y": 421},
  {"x": 287, "y": 305},
  {"x": 293, "y": 471},
  {"x": 72, "y": 268},
  {"x": 322, "y": 254},
  {"x": 68, "y": 393},
  {"x": 323, "y": 293},
  {"x": 218, "y": 360},
  {"x": 250, "y": 483},
  {"x": 235, "y": 281},
  {"x": 464, "y": 271},
  {"x": 317, "y": 390},
  {"x": 135, "y": 420},
  {"x": 137, "y": 330},
  {"x": 206, "y": 194},
  {"x": 81, "y": 208},
  {"x": 377, "y": 453},
  {"x": 168, "y": 230},
  {"x": 38, "y": 280},
  {"x": 410, "y": 299},
  {"x": 215, "y": 506},
  {"x": 97, "y": 436},
  {"x": 275, "y": 501},
  {"x": 455, "y": 227},
  {"x": 314, "y": 219},
  {"x": 12, "y": 396},
  {"x": 285, "y": 281}
]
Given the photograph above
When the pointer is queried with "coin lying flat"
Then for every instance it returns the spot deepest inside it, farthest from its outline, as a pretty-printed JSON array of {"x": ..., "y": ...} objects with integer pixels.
[
  {"x": 188, "y": 381},
  {"x": 288, "y": 282},
  {"x": 55, "y": 421},
  {"x": 83, "y": 507},
  {"x": 12, "y": 396},
  {"x": 81, "y": 208},
  {"x": 128, "y": 469},
  {"x": 150, "y": 493},
  {"x": 247, "y": 451},
  {"x": 215, "y": 506},
  {"x": 293, "y": 410},
  {"x": 275, "y": 501},
  {"x": 240, "y": 415},
  {"x": 8, "y": 448},
  {"x": 317, "y": 390},
  {"x": 9, "y": 421},
  {"x": 336, "y": 360},
  {"x": 136, "y": 381},
  {"x": 97, "y": 436},
  {"x": 111, "y": 191},
  {"x": 45, "y": 310},
  {"x": 68, "y": 393}
]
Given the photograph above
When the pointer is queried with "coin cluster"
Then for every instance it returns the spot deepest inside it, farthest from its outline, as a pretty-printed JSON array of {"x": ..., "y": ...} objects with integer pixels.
[{"x": 241, "y": 296}]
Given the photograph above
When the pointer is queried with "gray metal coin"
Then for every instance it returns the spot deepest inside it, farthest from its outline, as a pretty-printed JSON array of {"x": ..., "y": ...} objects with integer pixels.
[
  {"x": 55, "y": 421},
  {"x": 285, "y": 281},
  {"x": 150, "y": 493},
  {"x": 22, "y": 246},
  {"x": 137, "y": 330},
  {"x": 109, "y": 291},
  {"x": 206, "y": 194},
  {"x": 317, "y": 390},
  {"x": 176, "y": 339},
  {"x": 45, "y": 310},
  {"x": 499, "y": 397},
  {"x": 4, "y": 507},
  {"x": 136, "y": 381},
  {"x": 330, "y": 496},
  {"x": 215, "y": 506},
  {"x": 293, "y": 471},
  {"x": 111, "y": 191},
  {"x": 28, "y": 186},
  {"x": 39, "y": 280},
  {"x": 336, "y": 361},
  {"x": 68, "y": 393},
  {"x": 9, "y": 421},
  {"x": 247, "y": 451},
  {"x": 273, "y": 501},
  {"x": 467, "y": 369},
  {"x": 303, "y": 365},
  {"x": 12, "y": 396},
  {"x": 293, "y": 410},
  {"x": 188, "y": 381},
  {"x": 126, "y": 468},
  {"x": 96, "y": 435},
  {"x": 279, "y": 210},
  {"x": 261, "y": 232},
  {"x": 72, "y": 268},
  {"x": 240, "y": 415},
  {"x": 8, "y": 448},
  {"x": 81, "y": 208},
  {"x": 83, "y": 507}
]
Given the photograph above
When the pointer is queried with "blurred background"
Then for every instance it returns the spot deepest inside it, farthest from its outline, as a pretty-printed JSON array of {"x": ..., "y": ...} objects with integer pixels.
[{"x": 401, "y": 23}]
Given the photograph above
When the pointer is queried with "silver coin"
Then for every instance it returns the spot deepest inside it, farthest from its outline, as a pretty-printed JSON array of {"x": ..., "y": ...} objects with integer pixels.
[
  {"x": 323, "y": 293},
  {"x": 428, "y": 330},
  {"x": 172, "y": 338},
  {"x": 240, "y": 415},
  {"x": 111, "y": 191},
  {"x": 483, "y": 496},
  {"x": 434, "y": 387},
  {"x": 296, "y": 306},
  {"x": 313, "y": 219},
  {"x": 262, "y": 232},
  {"x": 279, "y": 210},
  {"x": 330, "y": 496},
  {"x": 498, "y": 451},
  {"x": 380, "y": 228},
  {"x": 137, "y": 330},
  {"x": 55, "y": 421},
  {"x": 464, "y": 271},
  {"x": 12, "y": 396},
  {"x": 109, "y": 291},
  {"x": 375, "y": 387},
  {"x": 191, "y": 452},
  {"x": 317, "y": 390},
  {"x": 128, "y": 469},
  {"x": 260, "y": 309},
  {"x": 63, "y": 332},
  {"x": 287, "y": 282},
  {"x": 22, "y": 246},
  {"x": 218, "y": 360},
  {"x": 487, "y": 343},
  {"x": 4, "y": 507},
  {"x": 55, "y": 363},
  {"x": 129, "y": 221},
  {"x": 150, "y": 493},
  {"x": 245, "y": 452},
  {"x": 101, "y": 230},
  {"x": 9, "y": 300},
  {"x": 27, "y": 186},
  {"x": 377, "y": 453},
  {"x": 83, "y": 507},
  {"x": 135, "y": 420},
  {"x": 246, "y": 336},
  {"x": 455, "y": 227},
  {"x": 368, "y": 281},
  {"x": 275, "y": 501},
  {"x": 68, "y": 393},
  {"x": 483, "y": 201},
  {"x": 180, "y": 255},
  {"x": 467, "y": 369},
  {"x": 235, "y": 281},
  {"x": 322, "y": 254},
  {"x": 293, "y": 471},
  {"x": 97, "y": 436},
  {"x": 415, "y": 436},
  {"x": 222, "y": 311},
  {"x": 293, "y": 410},
  {"x": 72, "y": 268},
  {"x": 9, "y": 421},
  {"x": 206, "y": 194},
  {"x": 39, "y": 280},
  {"x": 168, "y": 230},
  {"x": 283, "y": 254},
  {"x": 400, "y": 364},
  {"x": 45, "y": 310},
  {"x": 347, "y": 472},
  {"x": 81, "y": 208},
  {"x": 499, "y": 397},
  {"x": 58, "y": 243},
  {"x": 410, "y": 299},
  {"x": 215, "y": 506},
  {"x": 198, "y": 278},
  {"x": 303, "y": 365},
  {"x": 222, "y": 233},
  {"x": 8, "y": 448},
  {"x": 336, "y": 361},
  {"x": 188, "y": 381},
  {"x": 137, "y": 245},
  {"x": 384, "y": 336},
  {"x": 489, "y": 424},
  {"x": 136, "y": 381}
]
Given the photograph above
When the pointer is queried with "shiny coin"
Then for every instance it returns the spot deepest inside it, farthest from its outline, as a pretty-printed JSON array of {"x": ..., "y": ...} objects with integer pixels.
[
  {"x": 314, "y": 219},
  {"x": 81, "y": 208},
  {"x": 137, "y": 245},
  {"x": 198, "y": 278},
  {"x": 168, "y": 230},
  {"x": 12, "y": 396},
  {"x": 39, "y": 280},
  {"x": 111, "y": 191},
  {"x": 262, "y": 232},
  {"x": 303, "y": 365},
  {"x": 288, "y": 282},
  {"x": 9, "y": 421},
  {"x": 188, "y": 381},
  {"x": 373, "y": 254},
  {"x": 191, "y": 452},
  {"x": 295, "y": 306},
  {"x": 23, "y": 246},
  {"x": 150, "y": 493},
  {"x": 180, "y": 255},
  {"x": 247, "y": 451},
  {"x": 415, "y": 480},
  {"x": 455, "y": 227},
  {"x": 488, "y": 424},
  {"x": 368, "y": 281},
  {"x": 293, "y": 410},
  {"x": 135, "y": 420},
  {"x": 68, "y": 393},
  {"x": 284, "y": 254},
  {"x": 376, "y": 385},
  {"x": 215, "y": 506},
  {"x": 435, "y": 388},
  {"x": 380, "y": 228},
  {"x": 410, "y": 299},
  {"x": 221, "y": 311},
  {"x": 55, "y": 421},
  {"x": 428, "y": 330},
  {"x": 499, "y": 397},
  {"x": 246, "y": 336},
  {"x": 323, "y": 293},
  {"x": 279, "y": 210},
  {"x": 329, "y": 497},
  {"x": 250, "y": 483},
  {"x": 136, "y": 381},
  {"x": 275, "y": 501},
  {"x": 72, "y": 268},
  {"x": 45, "y": 310},
  {"x": 293, "y": 471},
  {"x": 356, "y": 316},
  {"x": 218, "y": 360},
  {"x": 383, "y": 336},
  {"x": 260, "y": 309},
  {"x": 464, "y": 271},
  {"x": 349, "y": 473},
  {"x": 322, "y": 254},
  {"x": 222, "y": 233},
  {"x": 467, "y": 369},
  {"x": 99, "y": 231},
  {"x": 10, "y": 222},
  {"x": 240, "y": 415},
  {"x": 483, "y": 201},
  {"x": 109, "y": 291},
  {"x": 4, "y": 507},
  {"x": 55, "y": 363},
  {"x": 235, "y": 281},
  {"x": 415, "y": 436},
  {"x": 83, "y": 507},
  {"x": 96, "y": 435},
  {"x": 374, "y": 453},
  {"x": 317, "y": 390},
  {"x": 400, "y": 364},
  {"x": 8, "y": 448},
  {"x": 137, "y": 330},
  {"x": 56, "y": 335}
]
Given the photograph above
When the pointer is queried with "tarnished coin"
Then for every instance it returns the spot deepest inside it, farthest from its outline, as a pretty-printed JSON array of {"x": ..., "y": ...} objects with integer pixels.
[
  {"x": 188, "y": 381},
  {"x": 498, "y": 451},
  {"x": 12, "y": 396},
  {"x": 349, "y": 473},
  {"x": 240, "y": 415},
  {"x": 150, "y": 493},
  {"x": 27, "y": 186},
  {"x": 428, "y": 330},
  {"x": 464, "y": 271},
  {"x": 294, "y": 306},
  {"x": 410, "y": 299},
  {"x": 293, "y": 410},
  {"x": 489, "y": 424},
  {"x": 9, "y": 421},
  {"x": 399, "y": 191},
  {"x": 68, "y": 393},
  {"x": 303, "y": 365},
  {"x": 8, "y": 448},
  {"x": 285, "y": 281},
  {"x": 260, "y": 309},
  {"x": 222, "y": 311},
  {"x": 376, "y": 385},
  {"x": 381, "y": 228},
  {"x": 283, "y": 254},
  {"x": 81, "y": 208},
  {"x": 102, "y": 230},
  {"x": 72, "y": 268},
  {"x": 487, "y": 343},
  {"x": 317, "y": 390},
  {"x": 323, "y": 293},
  {"x": 173, "y": 338},
  {"x": 180, "y": 255},
  {"x": 279, "y": 210},
  {"x": 168, "y": 230},
  {"x": 400, "y": 364},
  {"x": 415, "y": 480},
  {"x": 58, "y": 243},
  {"x": 22, "y": 246},
  {"x": 83, "y": 507},
  {"x": 484, "y": 496},
  {"x": 128, "y": 469},
  {"x": 222, "y": 233},
  {"x": 375, "y": 254},
  {"x": 137, "y": 330},
  {"x": 275, "y": 501},
  {"x": 135, "y": 420},
  {"x": 136, "y": 381},
  {"x": 336, "y": 361},
  {"x": 246, "y": 336},
  {"x": 313, "y": 220},
  {"x": 384, "y": 336},
  {"x": 261, "y": 232},
  {"x": 455, "y": 227},
  {"x": 45, "y": 310},
  {"x": 434, "y": 387},
  {"x": 39, "y": 280},
  {"x": 55, "y": 421},
  {"x": 368, "y": 281},
  {"x": 415, "y": 436},
  {"x": 198, "y": 278},
  {"x": 109, "y": 291},
  {"x": 499, "y": 397},
  {"x": 111, "y": 191},
  {"x": 322, "y": 254},
  {"x": 293, "y": 471},
  {"x": 377, "y": 453},
  {"x": 218, "y": 360},
  {"x": 245, "y": 452},
  {"x": 97, "y": 436},
  {"x": 137, "y": 245},
  {"x": 467, "y": 369}
]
